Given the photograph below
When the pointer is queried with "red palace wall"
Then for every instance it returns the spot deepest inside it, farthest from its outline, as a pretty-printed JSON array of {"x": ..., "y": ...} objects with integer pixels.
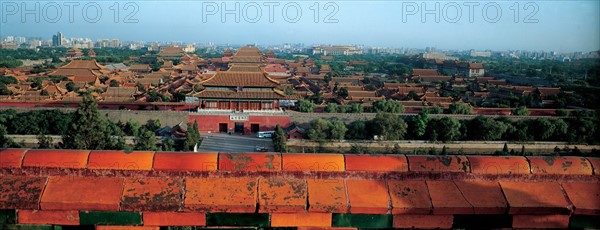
[{"x": 210, "y": 123}]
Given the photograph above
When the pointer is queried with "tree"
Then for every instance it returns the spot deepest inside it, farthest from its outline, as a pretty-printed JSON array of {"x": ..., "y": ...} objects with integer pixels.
[
  {"x": 418, "y": 125},
  {"x": 435, "y": 110},
  {"x": 146, "y": 140},
  {"x": 87, "y": 130},
  {"x": 356, "y": 130},
  {"x": 319, "y": 130},
  {"x": 355, "y": 108},
  {"x": 485, "y": 128},
  {"x": 448, "y": 129},
  {"x": 5, "y": 141},
  {"x": 331, "y": 108},
  {"x": 70, "y": 86},
  {"x": 168, "y": 145},
  {"x": 388, "y": 106},
  {"x": 114, "y": 83},
  {"x": 192, "y": 137},
  {"x": 562, "y": 112},
  {"x": 389, "y": 126},
  {"x": 337, "y": 130},
  {"x": 279, "y": 140},
  {"x": 520, "y": 111},
  {"x": 305, "y": 106},
  {"x": 460, "y": 108},
  {"x": 45, "y": 141},
  {"x": 343, "y": 92}
]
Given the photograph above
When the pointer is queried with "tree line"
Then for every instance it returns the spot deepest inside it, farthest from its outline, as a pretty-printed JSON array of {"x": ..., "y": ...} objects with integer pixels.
[
  {"x": 581, "y": 127},
  {"x": 87, "y": 129}
]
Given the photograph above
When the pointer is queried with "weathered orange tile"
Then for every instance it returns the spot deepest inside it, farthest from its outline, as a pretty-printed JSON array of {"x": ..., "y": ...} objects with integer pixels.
[
  {"x": 446, "y": 198},
  {"x": 376, "y": 163},
  {"x": 56, "y": 158},
  {"x": 103, "y": 227},
  {"x": 534, "y": 198},
  {"x": 368, "y": 196},
  {"x": 540, "y": 221},
  {"x": 300, "y": 219},
  {"x": 262, "y": 162},
  {"x": 585, "y": 197},
  {"x": 486, "y": 197},
  {"x": 313, "y": 162},
  {"x": 82, "y": 193},
  {"x": 11, "y": 158},
  {"x": 495, "y": 165},
  {"x": 595, "y": 164},
  {"x": 277, "y": 194},
  {"x": 325, "y": 228},
  {"x": 409, "y": 197},
  {"x": 560, "y": 165},
  {"x": 234, "y": 194},
  {"x": 438, "y": 164},
  {"x": 21, "y": 192},
  {"x": 174, "y": 219},
  {"x": 48, "y": 217},
  {"x": 121, "y": 160},
  {"x": 152, "y": 194},
  {"x": 185, "y": 161},
  {"x": 423, "y": 221},
  {"x": 327, "y": 196}
]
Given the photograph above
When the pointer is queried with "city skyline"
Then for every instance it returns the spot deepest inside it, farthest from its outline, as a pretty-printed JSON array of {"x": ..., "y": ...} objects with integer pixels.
[{"x": 385, "y": 24}]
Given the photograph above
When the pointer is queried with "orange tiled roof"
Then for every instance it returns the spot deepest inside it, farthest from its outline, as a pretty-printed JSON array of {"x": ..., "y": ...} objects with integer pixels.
[
  {"x": 151, "y": 189},
  {"x": 243, "y": 94},
  {"x": 234, "y": 79}
]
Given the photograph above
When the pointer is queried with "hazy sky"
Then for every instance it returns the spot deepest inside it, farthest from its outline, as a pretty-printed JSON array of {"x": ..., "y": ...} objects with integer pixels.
[{"x": 501, "y": 25}]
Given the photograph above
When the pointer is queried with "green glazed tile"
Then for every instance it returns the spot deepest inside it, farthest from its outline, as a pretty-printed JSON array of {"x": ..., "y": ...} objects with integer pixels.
[
  {"x": 109, "y": 218},
  {"x": 362, "y": 220},
  {"x": 238, "y": 219}
]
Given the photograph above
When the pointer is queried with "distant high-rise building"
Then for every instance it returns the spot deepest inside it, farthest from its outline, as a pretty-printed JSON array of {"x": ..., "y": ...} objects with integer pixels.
[{"x": 57, "y": 40}]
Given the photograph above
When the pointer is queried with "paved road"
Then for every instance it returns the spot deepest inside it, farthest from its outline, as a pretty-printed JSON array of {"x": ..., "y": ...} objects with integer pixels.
[{"x": 220, "y": 142}]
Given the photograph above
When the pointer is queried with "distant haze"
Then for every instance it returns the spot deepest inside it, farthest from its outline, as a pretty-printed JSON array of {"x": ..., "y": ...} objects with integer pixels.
[{"x": 563, "y": 26}]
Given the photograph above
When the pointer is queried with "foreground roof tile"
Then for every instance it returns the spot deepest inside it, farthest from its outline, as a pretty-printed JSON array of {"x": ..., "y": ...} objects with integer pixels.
[
  {"x": 174, "y": 219},
  {"x": 560, "y": 165},
  {"x": 409, "y": 197},
  {"x": 540, "y": 221},
  {"x": 262, "y": 162},
  {"x": 152, "y": 194},
  {"x": 534, "y": 198},
  {"x": 423, "y": 221},
  {"x": 368, "y": 196},
  {"x": 447, "y": 198},
  {"x": 235, "y": 194},
  {"x": 494, "y": 165},
  {"x": 121, "y": 160},
  {"x": 21, "y": 192},
  {"x": 376, "y": 163},
  {"x": 277, "y": 194},
  {"x": 56, "y": 158},
  {"x": 313, "y": 162},
  {"x": 301, "y": 219},
  {"x": 485, "y": 196},
  {"x": 438, "y": 164},
  {"x": 185, "y": 161},
  {"x": 11, "y": 158},
  {"x": 48, "y": 217},
  {"x": 82, "y": 193},
  {"x": 595, "y": 164},
  {"x": 327, "y": 196},
  {"x": 584, "y": 196}
]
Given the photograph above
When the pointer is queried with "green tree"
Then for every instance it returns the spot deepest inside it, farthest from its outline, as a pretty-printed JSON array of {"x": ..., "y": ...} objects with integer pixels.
[
  {"x": 520, "y": 111},
  {"x": 87, "y": 130},
  {"x": 418, "y": 125},
  {"x": 331, "y": 108},
  {"x": 192, "y": 137},
  {"x": 319, "y": 130},
  {"x": 356, "y": 130},
  {"x": 389, "y": 126},
  {"x": 343, "y": 92},
  {"x": 70, "y": 86},
  {"x": 388, "y": 106},
  {"x": 45, "y": 141},
  {"x": 146, "y": 140},
  {"x": 168, "y": 145},
  {"x": 5, "y": 141},
  {"x": 448, "y": 129},
  {"x": 355, "y": 108},
  {"x": 485, "y": 128},
  {"x": 114, "y": 83},
  {"x": 337, "y": 130},
  {"x": 305, "y": 106},
  {"x": 279, "y": 140},
  {"x": 460, "y": 108},
  {"x": 562, "y": 112}
]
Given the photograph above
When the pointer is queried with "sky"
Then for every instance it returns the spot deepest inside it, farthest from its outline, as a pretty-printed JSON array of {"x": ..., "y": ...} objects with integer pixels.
[{"x": 563, "y": 26}]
